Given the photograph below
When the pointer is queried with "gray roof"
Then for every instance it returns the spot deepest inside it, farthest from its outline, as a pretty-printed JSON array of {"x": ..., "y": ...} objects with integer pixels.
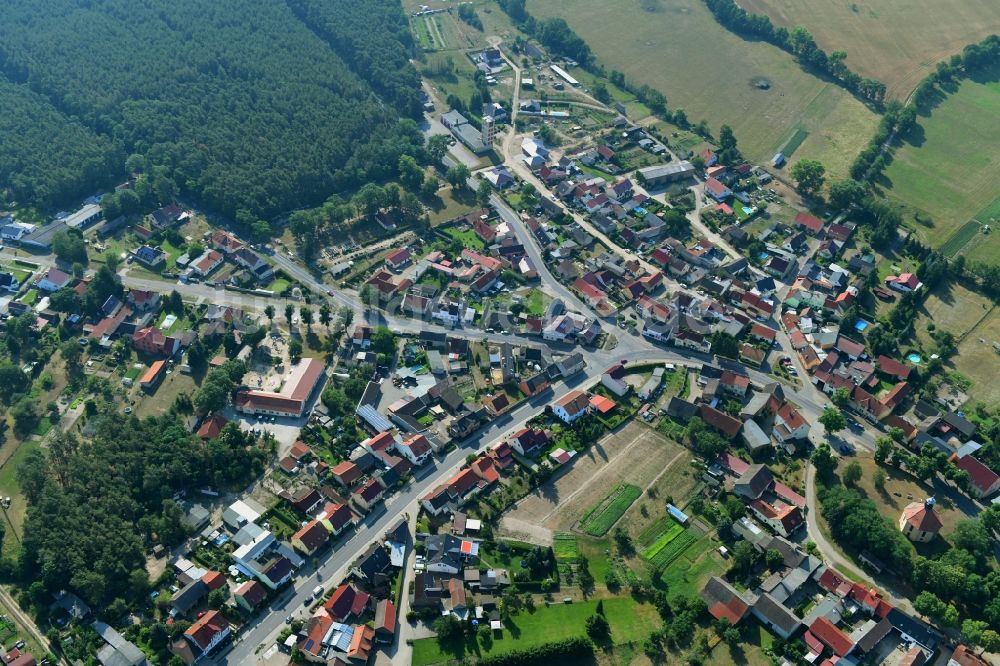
[
  {"x": 677, "y": 169},
  {"x": 779, "y": 616},
  {"x": 117, "y": 651},
  {"x": 754, "y": 437}
]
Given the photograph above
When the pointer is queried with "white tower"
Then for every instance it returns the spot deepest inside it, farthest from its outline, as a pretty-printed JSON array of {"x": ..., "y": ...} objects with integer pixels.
[{"x": 489, "y": 126}]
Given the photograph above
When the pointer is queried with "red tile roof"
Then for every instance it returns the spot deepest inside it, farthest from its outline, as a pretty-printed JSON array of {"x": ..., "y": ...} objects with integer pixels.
[
  {"x": 212, "y": 426},
  {"x": 602, "y": 404},
  {"x": 810, "y": 222},
  {"x": 251, "y": 592},
  {"x": 835, "y": 639},
  {"x": 312, "y": 535},
  {"x": 834, "y": 581},
  {"x": 205, "y": 629},
  {"x": 346, "y": 471},
  {"x": 920, "y": 517},
  {"x": 213, "y": 580},
  {"x": 982, "y": 477}
]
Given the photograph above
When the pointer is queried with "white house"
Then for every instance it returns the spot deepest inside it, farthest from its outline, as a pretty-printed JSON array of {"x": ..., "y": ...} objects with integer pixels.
[
  {"x": 571, "y": 407},
  {"x": 53, "y": 280},
  {"x": 416, "y": 449}
]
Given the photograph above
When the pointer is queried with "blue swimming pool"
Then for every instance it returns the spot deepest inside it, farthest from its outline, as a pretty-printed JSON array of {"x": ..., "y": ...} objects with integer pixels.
[
  {"x": 914, "y": 358},
  {"x": 747, "y": 210},
  {"x": 762, "y": 256},
  {"x": 640, "y": 211},
  {"x": 861, "y": 324}
]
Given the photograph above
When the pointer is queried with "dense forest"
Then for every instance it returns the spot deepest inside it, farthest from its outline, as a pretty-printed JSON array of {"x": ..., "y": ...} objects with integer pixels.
[
  {"x": 46, "y": 157},
  {"x": 252, "y": 107},
  {"x": 94, "y": 508}
]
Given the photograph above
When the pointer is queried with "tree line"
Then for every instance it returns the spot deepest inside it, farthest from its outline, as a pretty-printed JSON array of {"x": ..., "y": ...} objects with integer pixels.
[
  {"x": 251, "y": 109},
  {"x": 554, "y": 33},
  {"x": 800, "y": 43}
]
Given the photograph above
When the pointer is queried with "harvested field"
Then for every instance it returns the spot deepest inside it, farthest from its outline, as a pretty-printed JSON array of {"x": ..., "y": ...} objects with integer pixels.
[
  {"x": 895, "y": 41},
  {"x": 678, "y": 48},
  {"x": 634, "y": 454},
  {"x": 978, "y": 359},
  {"x": 951, "y": 308}
]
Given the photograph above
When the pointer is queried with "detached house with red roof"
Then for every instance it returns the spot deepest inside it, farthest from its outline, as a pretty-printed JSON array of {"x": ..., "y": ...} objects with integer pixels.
[
  {"x": 416, "y": 449},
  {"x": 151, "y": 340},
  {"x": 310, "y": 537},
  {"x": 810, "y": 223},
  {"x": 789, "y": 426},
  {"x": 717, "y": 190},
  {"x": 207, "y": 632},
  {"x": 724, "y": 601},
  {"x": 983, "y": 480},
  {"x": 368, "y": 494},
  {"x": 904, "y": 282},
  {"x": 782, "y": 519},
  {"x": 398, "y": 259},
  {"x": 919, "y": 522}
]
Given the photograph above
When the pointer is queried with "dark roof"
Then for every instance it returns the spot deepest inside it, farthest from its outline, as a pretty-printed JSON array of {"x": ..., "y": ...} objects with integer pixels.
[
  {"x": 776, "y": 614},
  {"x": 373, "y": 561},
  {"x": 757, "y": 478},
  {"x": 681, "y": 409},
  {"x": 919, "y": 631}
]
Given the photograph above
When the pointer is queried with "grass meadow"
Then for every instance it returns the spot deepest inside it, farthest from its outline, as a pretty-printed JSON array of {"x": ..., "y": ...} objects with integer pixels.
[
  {"x": 678, "y": 48},
  {"x": 947, "y": 169},
  {"x": 893, "y": 41},
  {"x": 630, "y": 621}
]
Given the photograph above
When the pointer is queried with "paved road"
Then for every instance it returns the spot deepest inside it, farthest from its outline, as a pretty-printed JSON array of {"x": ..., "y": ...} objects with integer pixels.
[
  {"x": 830, "y": 552},
  {"x": 263, "y": 630},
  {"x": 549, "y": 282}
]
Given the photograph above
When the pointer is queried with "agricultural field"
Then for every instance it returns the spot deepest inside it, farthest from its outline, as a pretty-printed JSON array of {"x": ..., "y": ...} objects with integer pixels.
[
  {"x": 978, "y": 360},
  {"x": 630, "y": 621},
  {"x": 893, "y": 41},
  {"x": 951, "y": 308},
  {"x": 713, "y": 74},
  {"x": 946, "y": 170},
  {"x": 635, "y": 454},
  {"x": 600, "y": 518}
]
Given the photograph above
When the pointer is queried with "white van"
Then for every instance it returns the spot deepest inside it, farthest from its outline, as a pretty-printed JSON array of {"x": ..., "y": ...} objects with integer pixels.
[{"x": 317, "y": 592}]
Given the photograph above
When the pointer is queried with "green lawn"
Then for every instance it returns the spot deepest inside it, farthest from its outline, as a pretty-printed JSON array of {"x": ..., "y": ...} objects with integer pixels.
[
  {"x": 948, "y": 171},
  {"x": 688, "y": 573},
  {"x": 467, "y": 237},
  {"x": 534, "y": 304},
  {"x": 629, "y": 619},
  {"x": 30, "y": 297},
  {"x": 9, "y": 487}
]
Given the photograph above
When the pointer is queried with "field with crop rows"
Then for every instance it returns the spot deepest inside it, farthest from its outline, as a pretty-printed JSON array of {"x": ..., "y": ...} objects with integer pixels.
[
  {"x": 669, "y": 547},
  {"x": 606, "y": 513}
]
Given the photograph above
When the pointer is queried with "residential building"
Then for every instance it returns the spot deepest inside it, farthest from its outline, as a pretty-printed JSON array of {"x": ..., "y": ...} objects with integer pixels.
[
  {"x": 207, "y": 632},
  {"x": 53, "y": 280},
  {"x": 571, "y": 407}
]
